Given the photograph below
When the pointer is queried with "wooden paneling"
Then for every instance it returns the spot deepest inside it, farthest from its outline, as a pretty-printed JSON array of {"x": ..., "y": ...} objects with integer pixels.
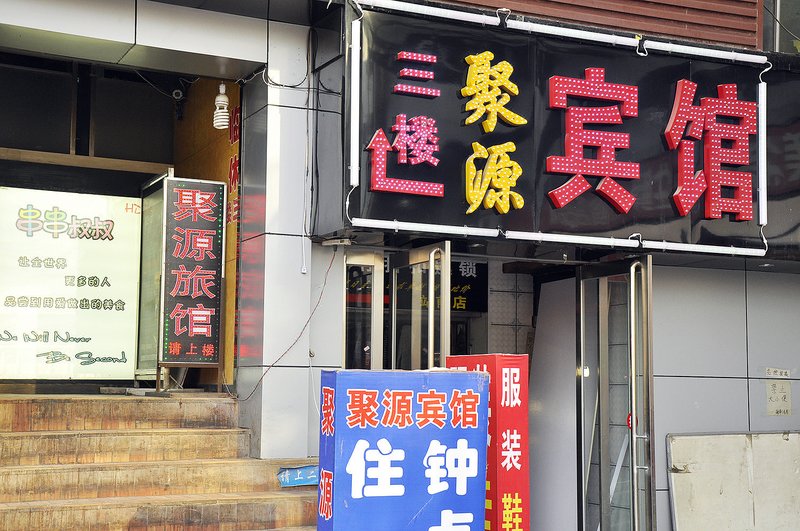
[
  {"x": 727, "y": 22},
  {"x": 202, "y": 152}
]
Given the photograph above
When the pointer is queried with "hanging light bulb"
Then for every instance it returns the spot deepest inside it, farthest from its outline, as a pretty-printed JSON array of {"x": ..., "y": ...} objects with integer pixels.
[{"x": 221, "y": 117}]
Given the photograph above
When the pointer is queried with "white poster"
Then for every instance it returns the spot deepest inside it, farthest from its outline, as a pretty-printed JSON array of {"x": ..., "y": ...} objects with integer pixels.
[{"x": 69, "y": 285}]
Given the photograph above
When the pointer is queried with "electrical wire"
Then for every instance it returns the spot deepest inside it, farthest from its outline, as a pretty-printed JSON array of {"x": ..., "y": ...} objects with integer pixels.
[
  {"x": 152, "y": 85},
  {"x": 775, "y": 18},
  {"x": 302, "y": 330}
]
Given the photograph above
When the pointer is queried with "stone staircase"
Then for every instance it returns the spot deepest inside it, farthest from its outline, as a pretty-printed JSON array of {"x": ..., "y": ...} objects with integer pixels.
[{"x": 99, "y": 462}]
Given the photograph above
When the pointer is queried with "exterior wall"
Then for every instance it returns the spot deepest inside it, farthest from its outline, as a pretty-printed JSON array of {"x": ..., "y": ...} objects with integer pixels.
[
  {"x": 282, "y": 274},
  {"x": 551, "y": 403},
  {"x": 510, "y": 311},
  {"x": 731, "y": 22},
  {"x": 715, "y": 332}
]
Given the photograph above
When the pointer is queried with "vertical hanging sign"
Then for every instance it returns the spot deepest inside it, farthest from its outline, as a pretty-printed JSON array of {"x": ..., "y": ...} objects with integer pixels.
[
  {"x": 191, "y": 278},
  {"x": 507, "y": 475},
  {"x": 402, "y": 450}
]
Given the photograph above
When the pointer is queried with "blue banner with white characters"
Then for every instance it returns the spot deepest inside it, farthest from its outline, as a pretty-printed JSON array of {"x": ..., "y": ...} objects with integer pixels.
[
  {"x": 299, "y": 476},
  {"x": 402, "y": 450}
]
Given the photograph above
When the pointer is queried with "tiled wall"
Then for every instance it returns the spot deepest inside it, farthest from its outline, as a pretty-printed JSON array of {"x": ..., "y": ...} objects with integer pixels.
[
  {"x": 510, "y": 311},
  {"x": 715, "y": 333}
]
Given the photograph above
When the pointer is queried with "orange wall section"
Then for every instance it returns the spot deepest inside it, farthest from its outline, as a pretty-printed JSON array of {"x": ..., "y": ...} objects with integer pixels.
[
  {"x": 728, "y": 22},
  {"x": 202, "y": 152}
]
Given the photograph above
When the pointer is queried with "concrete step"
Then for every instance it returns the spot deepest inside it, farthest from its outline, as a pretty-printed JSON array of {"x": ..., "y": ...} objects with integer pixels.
[
  {"x": 22, "y": 413},
  {"x": 105, "y": 480},
  {"x": 98, "y": 446},
  {"x": 227, "y": 511}
]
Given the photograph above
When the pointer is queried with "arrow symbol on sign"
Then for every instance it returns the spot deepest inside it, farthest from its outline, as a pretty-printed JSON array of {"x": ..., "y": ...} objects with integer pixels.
[
  {"x": 379, "y": 145},
  {"x": 379, "y": 182}
]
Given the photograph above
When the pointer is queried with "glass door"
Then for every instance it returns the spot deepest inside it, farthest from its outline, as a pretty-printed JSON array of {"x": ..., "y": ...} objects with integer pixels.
[
  {"x": 420, "y": 307},
  {"x": 614, "y": 387},
  {"x": 364, "y": 302}
]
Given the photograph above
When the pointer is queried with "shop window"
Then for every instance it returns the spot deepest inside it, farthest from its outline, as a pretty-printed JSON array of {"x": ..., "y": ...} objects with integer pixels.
[
  {"x": 38, "y": 113},
  {"x": 782, "y": 26},
  {"x": 132, "y": 121}
]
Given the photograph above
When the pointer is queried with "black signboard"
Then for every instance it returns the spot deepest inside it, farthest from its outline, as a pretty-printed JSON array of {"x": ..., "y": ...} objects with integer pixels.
[
  {"x": 470, "y": 126},
  {"x": 191, "y": 279}
]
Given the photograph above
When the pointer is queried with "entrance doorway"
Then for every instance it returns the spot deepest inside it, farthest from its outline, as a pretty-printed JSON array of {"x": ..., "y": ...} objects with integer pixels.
[
  {"x": 614, "y": 384},
  {"x": 593, "y": 390}
]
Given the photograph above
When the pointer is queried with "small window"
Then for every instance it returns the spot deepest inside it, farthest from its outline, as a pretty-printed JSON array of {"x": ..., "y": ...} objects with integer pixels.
[{"x": 782, "y": 26}]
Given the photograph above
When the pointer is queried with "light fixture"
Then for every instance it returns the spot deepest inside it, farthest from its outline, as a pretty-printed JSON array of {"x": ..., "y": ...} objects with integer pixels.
[
  {"x": 355, "y": 101},
  {"x": 702, "y": 248},
  {"x": 762, "y": 153},
  {"x": 221, "y": 117},
  {"x": 576, "y": 239},
  {"x": 425, "y": 227}
]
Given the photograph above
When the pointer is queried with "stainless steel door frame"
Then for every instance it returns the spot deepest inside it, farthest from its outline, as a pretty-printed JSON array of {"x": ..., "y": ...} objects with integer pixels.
[
  {"x": 593, "y": 292},
  {"x": 424, "y": 256},
  {"x": 373, "y": 260}
]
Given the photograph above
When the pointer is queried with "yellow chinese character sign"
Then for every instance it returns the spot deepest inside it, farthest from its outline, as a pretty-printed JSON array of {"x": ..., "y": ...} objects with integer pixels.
[
  {"x": 491, "y": 89},
  {"x": 499, "y": 172}
]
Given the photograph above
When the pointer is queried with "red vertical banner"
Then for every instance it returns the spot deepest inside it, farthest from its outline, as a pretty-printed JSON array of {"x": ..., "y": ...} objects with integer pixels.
[{"x": 508, "y": 469}]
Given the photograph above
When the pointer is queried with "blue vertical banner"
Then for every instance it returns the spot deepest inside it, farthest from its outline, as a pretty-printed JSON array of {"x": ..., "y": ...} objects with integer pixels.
[{"x": 402, "y": 450}]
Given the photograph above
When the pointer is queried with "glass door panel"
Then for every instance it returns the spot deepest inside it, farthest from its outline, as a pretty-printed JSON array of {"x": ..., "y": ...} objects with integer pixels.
[
  {"x": 420, "y": 307},
  {"x": 363, "y": 310},
  {"x": 615, "y": 416}
]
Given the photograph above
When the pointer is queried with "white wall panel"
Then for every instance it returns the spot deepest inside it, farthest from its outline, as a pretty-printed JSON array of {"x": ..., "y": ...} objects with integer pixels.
[
  {"x": 663, "y": 511},
  {"x": 699, "y": 322},
  {"x": 695, "y": 405},
  {"x": 94, "y": 30},
  {"x": 553, "y": 450},
  {"x": 284, "y": 427},
  {"x": 327, "y": 326},
  {"x": 288, "y": 55},
  {"x": 200, "y": 31},
  {"x": 111, "y": 20},
  {"x": 287, "y": 293},
  {"x": 287, "y": 184},
  {"x": 773, "y": 309}
]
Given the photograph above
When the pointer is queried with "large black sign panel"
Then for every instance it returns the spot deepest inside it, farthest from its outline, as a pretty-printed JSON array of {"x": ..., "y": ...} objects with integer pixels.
[
  {"x": 477, "y": 127},
  {"x": 194, "y": 224}
]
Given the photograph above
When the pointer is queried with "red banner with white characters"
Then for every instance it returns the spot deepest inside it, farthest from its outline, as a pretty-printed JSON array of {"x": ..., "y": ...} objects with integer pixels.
[{"x": 508, "y": 471}]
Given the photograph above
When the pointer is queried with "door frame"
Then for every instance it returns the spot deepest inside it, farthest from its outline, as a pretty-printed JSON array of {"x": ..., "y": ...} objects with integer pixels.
[
  {"x": 639, "y": 269},
  {"x": 373, "y": 259},
  {"x": 420, "y": 256}
]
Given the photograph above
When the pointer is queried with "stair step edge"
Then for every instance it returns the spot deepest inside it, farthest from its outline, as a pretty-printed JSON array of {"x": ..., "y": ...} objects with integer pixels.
[
  {"x": 220, "y": 461},
  {"x": 166, "y": 499}
]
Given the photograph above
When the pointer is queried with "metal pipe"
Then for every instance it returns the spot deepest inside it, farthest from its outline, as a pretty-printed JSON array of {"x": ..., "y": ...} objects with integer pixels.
[{"x": 431, "y": 302}]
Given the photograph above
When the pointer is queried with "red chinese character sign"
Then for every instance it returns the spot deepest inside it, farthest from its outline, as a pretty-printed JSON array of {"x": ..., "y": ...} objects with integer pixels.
[
  {"x": 402, "y": 450},
  {"x": 191, "y": 280},
  {"x": 507, "y": 473},
  {"x": 606, "y": 143},
  {"x": 415, "y": 139},
  {"x": 723, "y": 143}
]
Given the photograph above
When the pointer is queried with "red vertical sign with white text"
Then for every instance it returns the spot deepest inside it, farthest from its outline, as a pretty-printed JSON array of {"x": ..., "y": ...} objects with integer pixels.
[{"x": 508, "y": 471}]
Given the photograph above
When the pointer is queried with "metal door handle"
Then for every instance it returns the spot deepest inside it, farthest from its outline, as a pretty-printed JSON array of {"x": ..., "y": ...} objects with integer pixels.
[{"x": 635, "y": 268}]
